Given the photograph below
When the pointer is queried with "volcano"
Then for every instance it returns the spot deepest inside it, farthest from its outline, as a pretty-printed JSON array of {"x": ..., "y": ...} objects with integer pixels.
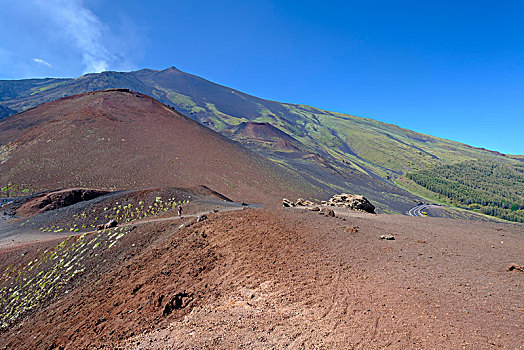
[{"x": 117, "y": 139}]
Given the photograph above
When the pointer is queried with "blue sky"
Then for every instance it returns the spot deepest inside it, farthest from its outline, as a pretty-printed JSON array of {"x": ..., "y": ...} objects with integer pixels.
[{"x": 453, "y": 69}]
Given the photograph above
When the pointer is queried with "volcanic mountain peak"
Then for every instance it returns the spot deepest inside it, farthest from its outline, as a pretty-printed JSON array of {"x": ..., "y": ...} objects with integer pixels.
[{"x": 171, "y": 69}]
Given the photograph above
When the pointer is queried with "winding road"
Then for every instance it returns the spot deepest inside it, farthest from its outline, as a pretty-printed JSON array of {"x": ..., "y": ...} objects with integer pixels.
[{"x": 417, "y": 210}]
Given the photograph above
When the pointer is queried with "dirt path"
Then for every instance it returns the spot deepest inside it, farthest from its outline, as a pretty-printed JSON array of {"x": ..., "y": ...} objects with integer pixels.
[
  {"x": 170, "y": 218},
  {"x": 15, "y": 241}
]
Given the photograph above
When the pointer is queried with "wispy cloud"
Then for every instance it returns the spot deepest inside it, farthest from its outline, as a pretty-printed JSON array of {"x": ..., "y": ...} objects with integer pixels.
[
  {"x": 85, "y": 30},
  {"x": 41, "y": 61},
  {"x": 70, "y": 35}
]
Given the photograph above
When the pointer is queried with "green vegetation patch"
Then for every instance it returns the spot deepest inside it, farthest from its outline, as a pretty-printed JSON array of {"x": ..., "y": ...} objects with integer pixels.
[
  {"x": 491, "y": 188},
  {"x": 37, "y": 90},
  {"x": 30, "y": 284}
]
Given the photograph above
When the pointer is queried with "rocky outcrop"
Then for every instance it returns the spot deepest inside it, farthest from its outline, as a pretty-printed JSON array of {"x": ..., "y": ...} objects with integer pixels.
[
  {"x": 351, "y": 201},
  {"x": 303, "y": 203},
  {"x": 299, "y": 203},
  {"x": 286, "y": 203},
  {"x": 355, "y": 202},
  {"x": 57, "y": 199}
]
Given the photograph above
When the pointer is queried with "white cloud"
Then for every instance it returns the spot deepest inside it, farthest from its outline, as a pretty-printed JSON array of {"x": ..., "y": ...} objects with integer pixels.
[
  {"x": 69, "y": 34},
  {"x": 84, "y": 29},
  {"x": 41, "y": 61}
]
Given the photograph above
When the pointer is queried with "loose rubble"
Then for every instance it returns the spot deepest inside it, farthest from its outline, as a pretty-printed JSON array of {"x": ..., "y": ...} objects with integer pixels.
[
  {"x": 515, "y": 267},
  {"x": 327, "y": 212},
  {"x": 354, "y": 202},
  {"x": 299, "y": 203},
  {"x": 286, "y": 203}
]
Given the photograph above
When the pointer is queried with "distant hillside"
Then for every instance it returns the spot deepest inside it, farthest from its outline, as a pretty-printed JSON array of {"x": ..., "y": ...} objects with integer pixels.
[
  {"x": 491, "y": 188},
  {"x": 376, "y": 148},
  {"x": 261, "y": 131},
  {"x": 6, "y": 112},
  {"x": 122, "y": 139},
  {"x": 334, "y": 151},
  {"x": 264, "y": 135}
]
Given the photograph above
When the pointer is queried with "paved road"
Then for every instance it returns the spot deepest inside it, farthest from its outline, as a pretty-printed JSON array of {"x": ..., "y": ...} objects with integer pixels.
[{"x": 416, "y": 210}]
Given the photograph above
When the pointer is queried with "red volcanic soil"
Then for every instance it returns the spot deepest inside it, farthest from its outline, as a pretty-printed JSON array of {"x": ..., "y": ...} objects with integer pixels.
[
  {"x": 116, "y": 139},
  {"x": 261, "y": 131},
  {"x": 290, "y": 278},
  {"x": 56, "y": 199},
  {"x": 266, "y": 133},
  {"x": 286, "y": 146}
]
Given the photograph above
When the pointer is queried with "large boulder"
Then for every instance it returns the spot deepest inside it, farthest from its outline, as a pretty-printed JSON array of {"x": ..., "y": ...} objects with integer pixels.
[
  {"x": 361, "y": 203},
  {"x": 351, "y": 201}
]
